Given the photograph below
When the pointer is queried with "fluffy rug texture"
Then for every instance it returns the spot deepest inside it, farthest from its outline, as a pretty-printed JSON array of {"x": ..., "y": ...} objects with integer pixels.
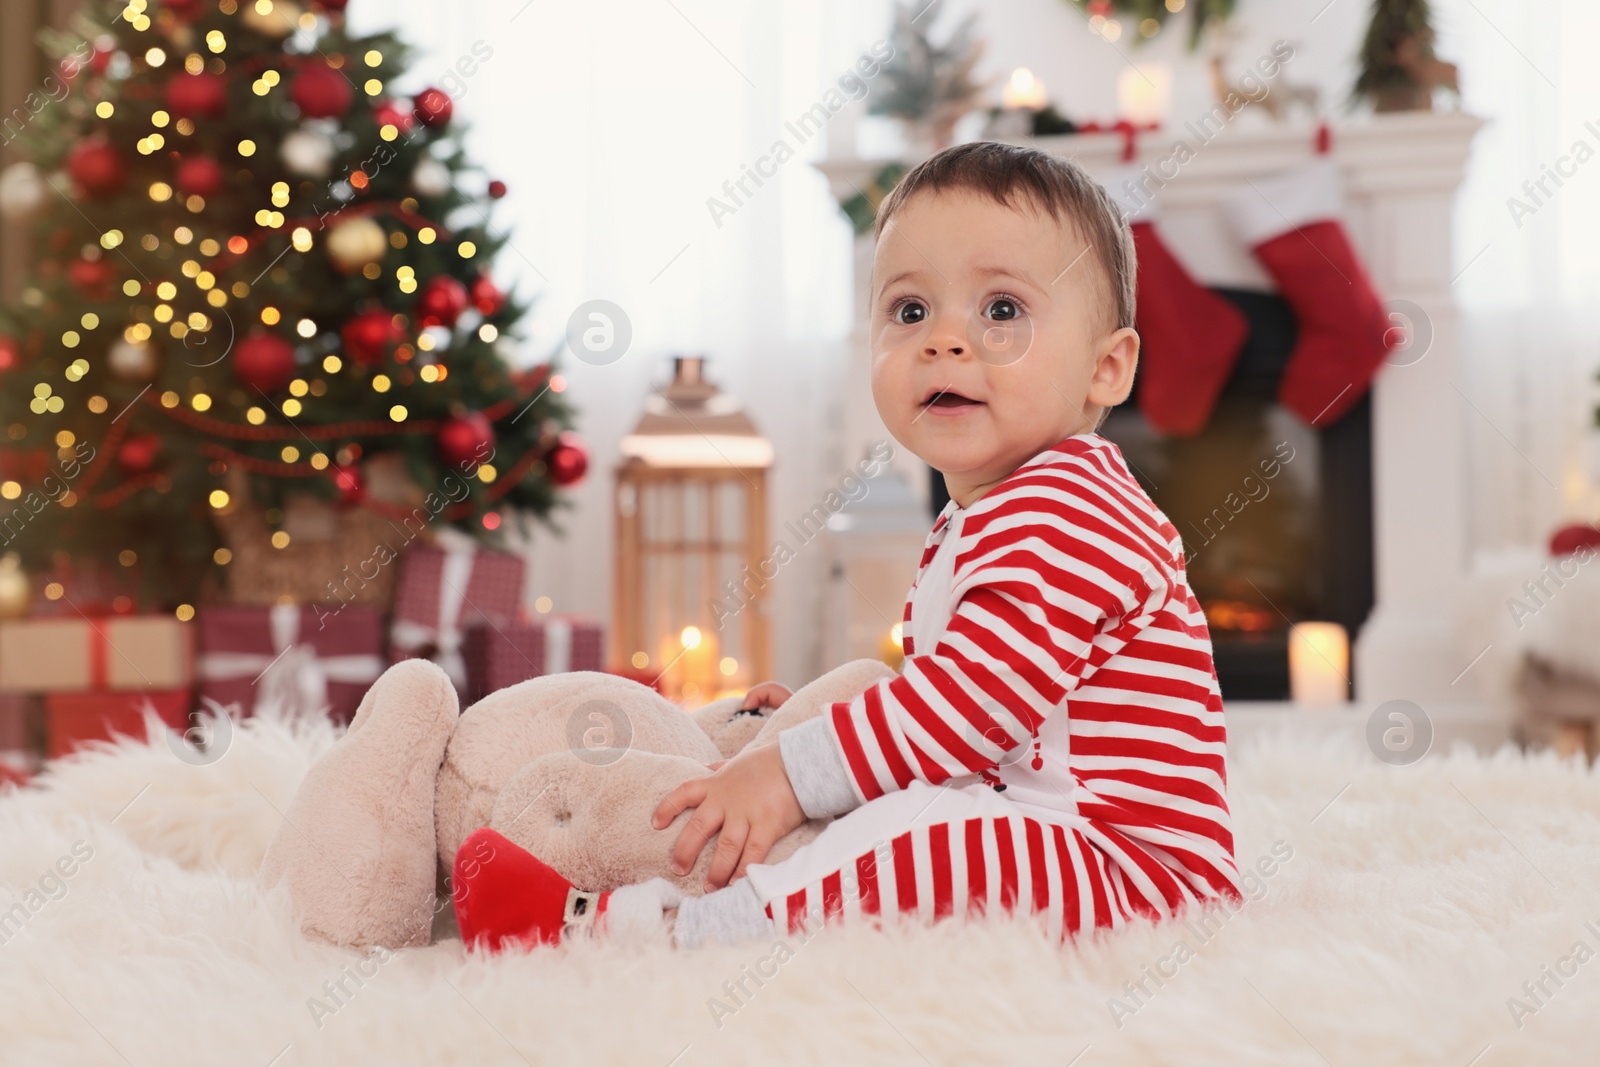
[{"x": 1446, "y": 912}]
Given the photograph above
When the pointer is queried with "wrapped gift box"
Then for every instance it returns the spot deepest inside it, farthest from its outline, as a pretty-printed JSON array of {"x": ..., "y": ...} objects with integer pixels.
[
  {"x": 500, "y": 655},
  {"x": 441, "y": 592},
  {"x": 302, "y": 657},
  {"x": 72, "y": 719},
  {"x": 16, "y": 733},
  {"x": 118, "y": 652}
]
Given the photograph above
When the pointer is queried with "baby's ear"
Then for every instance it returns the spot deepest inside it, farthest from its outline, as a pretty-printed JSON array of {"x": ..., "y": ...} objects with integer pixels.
[{"x": 1116, "y": 360}]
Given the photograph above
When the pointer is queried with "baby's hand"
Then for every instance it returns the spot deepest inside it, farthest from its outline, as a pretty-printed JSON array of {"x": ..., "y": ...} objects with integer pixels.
[
  {"x": 749, "y": 800},
  {"x": 766, "y": 695}
]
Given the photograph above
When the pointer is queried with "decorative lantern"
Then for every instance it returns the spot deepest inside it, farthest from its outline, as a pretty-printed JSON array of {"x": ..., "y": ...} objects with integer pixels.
[
  {"x": 874, "y": 542},
  {"x": 692, "y": 568}
]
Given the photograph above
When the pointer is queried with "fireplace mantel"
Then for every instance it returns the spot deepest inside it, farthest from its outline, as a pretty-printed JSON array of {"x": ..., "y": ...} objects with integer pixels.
[{"x": 1401, "y": 173}]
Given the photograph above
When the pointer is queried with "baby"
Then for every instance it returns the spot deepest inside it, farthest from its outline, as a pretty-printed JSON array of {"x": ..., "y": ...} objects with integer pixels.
[{"x": 1054, "y": 742}]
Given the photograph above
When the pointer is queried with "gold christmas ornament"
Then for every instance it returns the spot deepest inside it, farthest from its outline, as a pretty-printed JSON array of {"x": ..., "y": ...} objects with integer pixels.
[
  {"x": 277, "y": 21},
  {"x": 131, "y": 361},
  {"x": 354, "y": 243},
  {"x": 15, "y": 588}
]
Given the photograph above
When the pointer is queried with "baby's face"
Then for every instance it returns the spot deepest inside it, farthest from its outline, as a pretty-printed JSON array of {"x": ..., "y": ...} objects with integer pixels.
[{"x": 987, "y": 336}]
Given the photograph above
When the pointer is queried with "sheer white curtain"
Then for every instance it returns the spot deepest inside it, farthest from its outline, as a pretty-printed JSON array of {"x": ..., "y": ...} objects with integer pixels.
[
  {"x": 612, "y": 122},
  {"x": 1529, "y": 261}
]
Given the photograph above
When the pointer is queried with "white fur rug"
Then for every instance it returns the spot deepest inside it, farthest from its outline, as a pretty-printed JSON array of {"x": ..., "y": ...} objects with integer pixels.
[{"x": 1414, "y": 905}]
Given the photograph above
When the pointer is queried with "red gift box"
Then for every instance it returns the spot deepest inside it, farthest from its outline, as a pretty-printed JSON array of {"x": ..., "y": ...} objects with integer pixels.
[
  {"x": 305, "y": 657},
  {"x": 496, "y": 656},
  {"x": 73, "y": 719},
  {"x": 15, "y": 732},
  {"x": 440, "y": 593}
]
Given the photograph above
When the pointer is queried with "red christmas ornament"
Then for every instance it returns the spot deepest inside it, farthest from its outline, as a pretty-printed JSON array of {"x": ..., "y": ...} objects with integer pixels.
[
  {"x": 263, "y": 361},
  {"x": 433, "y": 107},
  {"x": 183, "y": 8},
  {"x": 1575, "y": 538},
  {"x": 370, "y": 336},
  {"x": 389, "y": 113},
  {"x": 10, "y": 354},
  {"x": 440, "y": 301},
  {"x": 97, "y": 167},
  {"x": 352, "y": 486},
  {"x": 530, "y": 381},
  {"x": 465, "y": 440},
  {"x": 92, "y": 277},
  {"x": 497, "y": 189},
  {"x": 99, "y": 62},
  {"x": 486, "y": 296},
  {"x": 332, "y": 6},
  {"x": 199, "y": 176},
  {"x": 137, "y": 454},
  {"x": 202, "y": 95},
  {"x": 320, "y": 92},
  {"x": 568, "y": 459}
]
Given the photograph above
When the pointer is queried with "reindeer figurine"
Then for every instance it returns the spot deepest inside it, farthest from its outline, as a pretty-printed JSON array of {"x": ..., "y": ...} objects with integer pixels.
[{"x": 1278, "y": 98}]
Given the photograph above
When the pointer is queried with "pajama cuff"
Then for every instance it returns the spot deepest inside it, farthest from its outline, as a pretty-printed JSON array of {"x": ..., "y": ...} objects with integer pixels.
[{"x": 816, "y": 770}]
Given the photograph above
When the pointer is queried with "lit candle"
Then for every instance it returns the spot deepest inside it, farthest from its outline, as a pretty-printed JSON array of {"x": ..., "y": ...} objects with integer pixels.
[
  {"x": 1319, "y": 664},
  {"x": 1024, "y": 90},
  {"x": 1144, "y": 93}
]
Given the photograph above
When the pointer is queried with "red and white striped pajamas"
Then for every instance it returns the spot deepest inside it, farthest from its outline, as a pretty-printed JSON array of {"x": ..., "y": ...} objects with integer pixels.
[{"x": 1055, "y": 739}]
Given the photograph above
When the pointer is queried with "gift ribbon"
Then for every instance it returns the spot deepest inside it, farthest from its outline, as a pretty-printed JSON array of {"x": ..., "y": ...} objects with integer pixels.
[
  {"x": 446, "y": 636},
  {"x": 557, "y": 646},
  {"x": 295, "y": 675}
]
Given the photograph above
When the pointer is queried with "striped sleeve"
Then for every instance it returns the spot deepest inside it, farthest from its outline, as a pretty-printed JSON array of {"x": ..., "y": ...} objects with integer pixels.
[{"x": 1054, "y": 574}]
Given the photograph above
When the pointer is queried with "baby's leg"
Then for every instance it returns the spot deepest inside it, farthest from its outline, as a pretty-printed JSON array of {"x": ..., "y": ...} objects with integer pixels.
[
  {"x": 925, "y": 852},
  {"x": 934, "y": 852}
]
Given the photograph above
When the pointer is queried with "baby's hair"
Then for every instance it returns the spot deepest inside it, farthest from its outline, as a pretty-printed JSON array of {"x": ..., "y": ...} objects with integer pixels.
[{"x": 1057, "y": 186}]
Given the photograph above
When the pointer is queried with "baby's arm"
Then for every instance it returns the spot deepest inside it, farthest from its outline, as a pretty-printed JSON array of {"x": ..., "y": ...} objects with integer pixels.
[{"x": 1042, "y": 569}]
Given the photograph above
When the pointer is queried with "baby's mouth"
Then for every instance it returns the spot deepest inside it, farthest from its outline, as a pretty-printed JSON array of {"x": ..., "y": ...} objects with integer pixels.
[{"x": 948, "y": 398}]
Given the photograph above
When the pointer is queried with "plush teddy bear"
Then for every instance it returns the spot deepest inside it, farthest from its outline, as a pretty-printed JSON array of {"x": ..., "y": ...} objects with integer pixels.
[{"x": 569, "y": 766}]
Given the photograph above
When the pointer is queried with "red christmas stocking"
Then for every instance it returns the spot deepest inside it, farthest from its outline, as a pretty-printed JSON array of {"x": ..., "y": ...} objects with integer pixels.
[
  {"x": 1189, "y": 337},
  {"x": 1291, "y": 223}
]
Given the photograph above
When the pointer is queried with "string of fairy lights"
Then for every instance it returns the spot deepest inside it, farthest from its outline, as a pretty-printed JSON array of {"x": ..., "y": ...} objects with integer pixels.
[{"x": 190, "y": 298}]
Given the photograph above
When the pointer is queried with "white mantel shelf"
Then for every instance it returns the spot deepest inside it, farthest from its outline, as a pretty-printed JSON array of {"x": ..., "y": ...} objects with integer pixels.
[{"x": 1400, "y": 173}]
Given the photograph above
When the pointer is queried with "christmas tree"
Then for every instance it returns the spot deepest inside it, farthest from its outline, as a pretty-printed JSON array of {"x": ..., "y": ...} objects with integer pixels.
[
  {"x": 1398, "y": 64},
  {"x": 254, "y": 271}
]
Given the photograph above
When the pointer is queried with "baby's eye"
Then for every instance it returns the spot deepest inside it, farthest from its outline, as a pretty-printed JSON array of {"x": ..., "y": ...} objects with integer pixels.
[
  {"x": 1002, "y": 309},
  {"x": 909, "y": 313}
]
